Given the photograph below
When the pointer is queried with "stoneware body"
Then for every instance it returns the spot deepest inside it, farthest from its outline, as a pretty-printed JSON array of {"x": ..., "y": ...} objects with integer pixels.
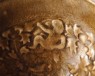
[{"x": 28, "y": 49}]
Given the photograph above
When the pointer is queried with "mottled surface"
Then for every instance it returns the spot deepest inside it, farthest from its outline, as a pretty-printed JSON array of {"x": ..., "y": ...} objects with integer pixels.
[
  {"x": 19, "y": 11},
  {"x": 16, "y": 62}
]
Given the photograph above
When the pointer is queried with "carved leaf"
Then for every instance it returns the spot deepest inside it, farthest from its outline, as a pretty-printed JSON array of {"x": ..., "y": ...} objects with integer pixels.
[
  {"x": 24, "y": 50},
  {"x": 91, "y": 68},
  {"x": 4, "y": 44},
  {"x": 81, "y": 70},
  {"x": 94, "y": 65},
  {"x": 90, "y": 38},
  {"x": 13, "y": 54},
  {"x": 20, "y": 29},
  {"x": 82, "y": 64},
  {"x": 77, "y": 30},
  {"x": 38, "y": 31},
  {"x": 71, "y": 43},
  {"x": 90, "y": 53},
  {"x": 6, "y": 34},
  {"x": 83, "y": 38},
  {"x": 69, "y": 31},
  {"x": 72, "y": 69},
  {"x": 28, "y": 27},
  {"x": 25, "y": 38}
]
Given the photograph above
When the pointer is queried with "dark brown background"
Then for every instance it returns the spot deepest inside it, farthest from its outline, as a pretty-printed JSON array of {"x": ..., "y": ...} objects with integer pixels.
[{"x": 14, "y": 12}]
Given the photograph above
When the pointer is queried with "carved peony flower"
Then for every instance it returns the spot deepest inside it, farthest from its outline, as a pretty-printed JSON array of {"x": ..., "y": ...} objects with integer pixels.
[{"x": 50, "y": 42}]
